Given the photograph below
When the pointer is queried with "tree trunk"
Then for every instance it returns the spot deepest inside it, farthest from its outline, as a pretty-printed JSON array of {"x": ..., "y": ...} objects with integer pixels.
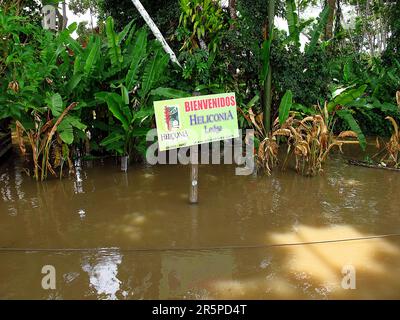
[
  {"x": 382, "y": 29},
  {"x": 267, "y": 97},
  {"x": 91, "y": 18},
  {"x": 157, "y": 33},
  {"x": 371, "y": 38},
  {"x": 232, "y": 9},
  {"x": 64, "y": 15},
  {"x": 329, "y": 24}
]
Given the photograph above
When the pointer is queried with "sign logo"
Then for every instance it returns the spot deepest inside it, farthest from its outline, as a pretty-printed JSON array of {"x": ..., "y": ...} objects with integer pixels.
[{"x": 171, "y": 118}]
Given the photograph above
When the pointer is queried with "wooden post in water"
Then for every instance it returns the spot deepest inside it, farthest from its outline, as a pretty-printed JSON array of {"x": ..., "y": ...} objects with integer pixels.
[
  {"x": 194, "y": 174},
  {"x": 194, "y": 170}
]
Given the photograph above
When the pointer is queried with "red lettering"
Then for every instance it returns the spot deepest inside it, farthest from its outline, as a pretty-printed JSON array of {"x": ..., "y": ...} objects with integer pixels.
[
  {"x": 210, "y": 103},
  {"x": 233, "y": 102}
]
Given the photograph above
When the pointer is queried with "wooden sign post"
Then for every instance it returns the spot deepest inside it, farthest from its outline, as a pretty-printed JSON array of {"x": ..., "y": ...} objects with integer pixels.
[
  {"x": 194, "y": 174},
  {"x": 191, "y": 121},
  {"x": 194, "y": 169}
]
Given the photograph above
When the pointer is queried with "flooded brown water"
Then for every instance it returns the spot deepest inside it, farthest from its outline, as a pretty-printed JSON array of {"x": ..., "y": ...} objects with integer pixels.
[{"x": 218, "y": 249}]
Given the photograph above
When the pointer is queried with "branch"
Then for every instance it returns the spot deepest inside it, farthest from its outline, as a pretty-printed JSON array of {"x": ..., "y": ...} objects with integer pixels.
[{"x": 156, "y": 31}]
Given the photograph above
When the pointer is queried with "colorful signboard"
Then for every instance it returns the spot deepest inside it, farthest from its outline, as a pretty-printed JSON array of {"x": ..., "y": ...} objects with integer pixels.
[{"x": 189, "y": 121}]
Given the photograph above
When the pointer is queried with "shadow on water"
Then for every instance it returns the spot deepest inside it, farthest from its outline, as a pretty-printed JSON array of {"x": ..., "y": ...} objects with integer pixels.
[{"x": 147, "y": 208}]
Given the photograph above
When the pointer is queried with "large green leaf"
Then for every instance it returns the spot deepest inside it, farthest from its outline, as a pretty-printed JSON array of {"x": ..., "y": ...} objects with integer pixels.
[
  {"x": 292, "y": 19},
  {"x": 253, "y": 101},
  {"x": 93, "y": 56},
  {"x": 347, "y": 71},
  {"x": 78, "y": 64},
  {"x": 304, "y": 24},
  {"x": 115, "y": 141},
  {"x": 114, "y": 50},
  {"x": 130, "y": 37},
  {"x": 73, "y": 82},
  {"x": 112, "y": 138},
  {"x": 72, "y": 27},
  {"x": 318, "y": 30},
  {"x": 124, "y": 32},
  {"x": 169, "y": 93},
  {"x": 115, "y": 105},
  {"x": 348, "y": 117},
  {"x": 143, "y": 114},
  {"x": 56, "y": 104},
  {"x": 66, "y": 128},
  {"x": 285, "y": 106},
  {"x": 389, "y": 107},
  {"x": 139, "y": 52},
  {"x": 123, "y": 102},
  {"x": 139, "y": 132},
  {"x": 384, "y": 107},
  {"x": 124, "y": 94},
  {"x": 65, "y": 36},
  {"x": 66, "y": 131},
  {"x": 76, "y": 122},
  {"x": 102, "y": 95},
  {"x": 116, "y": 110},
  {"x": 346, "y": 97},
  {"x": 153, "y": 71},
  {"x": 340, "y": 90}
]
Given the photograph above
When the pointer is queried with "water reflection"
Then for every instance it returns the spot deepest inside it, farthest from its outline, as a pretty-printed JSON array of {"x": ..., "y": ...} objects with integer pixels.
[
  {"x": 102, "y": 269},
  {"x": 82, "y": 213},
  {"x": 78, "y": 183},
  {"x": 5, "y": 187}
]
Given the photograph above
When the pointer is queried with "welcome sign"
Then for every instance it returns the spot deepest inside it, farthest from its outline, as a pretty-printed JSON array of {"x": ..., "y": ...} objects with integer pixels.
[{"x": 189, "y": 121}]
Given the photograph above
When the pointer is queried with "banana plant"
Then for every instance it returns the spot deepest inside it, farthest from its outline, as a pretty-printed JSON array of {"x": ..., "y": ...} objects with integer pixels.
[
  {"x": 296, "y": 27},
  {"x": 266, "y": 72},
  {"x": 293, "y": 23},
  {"x": 113, "y": 43},
  {"x": 317, "y": 31},
  {"x": 142, "y": 66},
  {"x": 345, "y": 102},
  {"x": 49, "y": 135},
  {"x": 132, "y": 123}
]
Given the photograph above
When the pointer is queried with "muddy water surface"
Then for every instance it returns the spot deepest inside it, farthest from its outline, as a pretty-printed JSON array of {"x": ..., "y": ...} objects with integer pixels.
[{"x": 134, "y": 235}]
